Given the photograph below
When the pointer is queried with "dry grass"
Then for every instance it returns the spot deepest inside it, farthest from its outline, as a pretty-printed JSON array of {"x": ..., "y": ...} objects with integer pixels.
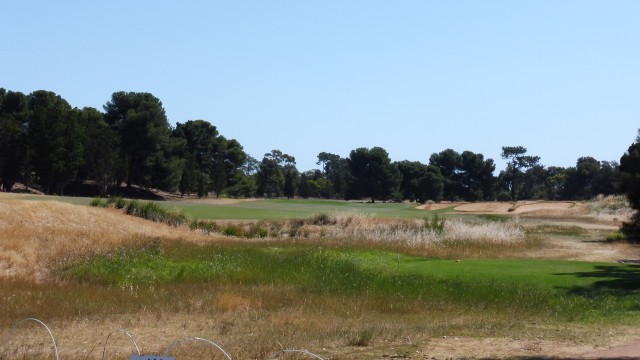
[
  {"x": 457, "y": 237},
  {"x": 250, "y": 323},
  {"x": 34, "y": 234}
]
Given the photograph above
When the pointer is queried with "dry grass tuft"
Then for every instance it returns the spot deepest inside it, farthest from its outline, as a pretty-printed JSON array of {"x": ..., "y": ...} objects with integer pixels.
[
  {"x": 610, "y": 207},
  {"x": 413, "y": 233}
]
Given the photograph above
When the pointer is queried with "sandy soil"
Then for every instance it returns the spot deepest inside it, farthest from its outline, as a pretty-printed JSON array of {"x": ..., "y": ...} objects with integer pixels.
[
  {"x": 87, "y": 339},
  {"x": 517, "y": 208}
]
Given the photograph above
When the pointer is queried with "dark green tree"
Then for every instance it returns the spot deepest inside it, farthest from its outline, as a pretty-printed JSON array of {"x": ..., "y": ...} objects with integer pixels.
[
  {"x": 579, "y": 183},
  {"x": 448, "y": 161},
  {"x": 608, "y": 180},
  {"x": 234, "y": 158},
  {"x": 101, "y": 150},
  {"x": 517, "y": 162},
  {"x": 336, "y": 171},
  {"x": 13, "y": 137},
  {"x": 467, "y": 176},
  {"x": 272, "y": 174},
  {"x": 412, "y": 172},
  {"x": 372, "y": 174},
  {"x": 143, "y": 130},
  {"x": 475, "y": 177},
  {"x": 630, "y": 172},
  {"x": 431, "y": 185},
  {"x": 55, "y": 139}
]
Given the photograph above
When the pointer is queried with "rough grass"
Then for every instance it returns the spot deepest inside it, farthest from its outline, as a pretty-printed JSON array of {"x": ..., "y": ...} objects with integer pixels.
[
  {"x": 35, "y": 234},
  {"x": 540, "y": 288},
  {"x": 86, "y": 271}
]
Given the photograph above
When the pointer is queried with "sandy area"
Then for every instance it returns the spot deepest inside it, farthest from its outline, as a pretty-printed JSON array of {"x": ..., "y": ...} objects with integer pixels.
[
  {"x": 485, "y": 207},
  {"x": 517, "y": 208}
]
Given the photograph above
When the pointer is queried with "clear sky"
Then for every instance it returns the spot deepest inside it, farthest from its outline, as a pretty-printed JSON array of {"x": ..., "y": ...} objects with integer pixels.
[{"x": 559, "y": 77}]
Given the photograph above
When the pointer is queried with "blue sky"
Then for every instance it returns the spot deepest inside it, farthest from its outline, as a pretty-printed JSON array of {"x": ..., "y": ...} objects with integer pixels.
[{"x": 561, "y": 78}]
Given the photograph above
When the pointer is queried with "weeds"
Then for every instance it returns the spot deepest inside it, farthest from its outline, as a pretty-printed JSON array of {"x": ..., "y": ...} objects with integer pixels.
[
  {"x": 435, "y": 225},
  {"x": 360, "y": 338},
  {"x": 148, "y": 210},
  {"x": 98, "y": 202}
]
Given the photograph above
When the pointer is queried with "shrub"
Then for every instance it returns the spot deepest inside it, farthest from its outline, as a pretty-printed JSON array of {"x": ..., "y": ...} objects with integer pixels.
[
  {"x": 257, "y": 231},
  {"x": 504, "y": 196},
  {"x": 98, "y": 202},
  {"x": 232, "y": 230},
  {"x": 295, "y": 225},
  {"x": 133, "y": 208},
  {"x": 616, "y": 236},
  {"x": 207, "y": 227},
  {"x": 361, "y": 338},
  {"x": 175, "y": 217},
  {"x": 154, "y": 212},
  {"x": 322, "y": 219},
  {"x": 435, "y": 224},
  {"x": 117, "y": 201}
]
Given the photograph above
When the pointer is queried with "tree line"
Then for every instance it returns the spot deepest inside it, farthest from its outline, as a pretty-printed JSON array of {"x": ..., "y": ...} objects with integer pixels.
[{"x": 47, "y": 143}]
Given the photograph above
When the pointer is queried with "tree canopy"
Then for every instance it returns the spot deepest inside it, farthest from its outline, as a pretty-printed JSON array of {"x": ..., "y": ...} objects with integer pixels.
[
  {"x": 47, "y": 143},
  {"x": 372, "y": 174}
]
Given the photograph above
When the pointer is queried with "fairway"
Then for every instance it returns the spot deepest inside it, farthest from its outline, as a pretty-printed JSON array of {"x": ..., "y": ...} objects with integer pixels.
[{"x": 269, "y": 209}]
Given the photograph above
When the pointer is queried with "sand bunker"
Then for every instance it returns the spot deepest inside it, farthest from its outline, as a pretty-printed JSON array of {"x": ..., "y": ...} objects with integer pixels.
[
  {"x": 504, "y": 207},
  {"x": 543, "y": 206}
]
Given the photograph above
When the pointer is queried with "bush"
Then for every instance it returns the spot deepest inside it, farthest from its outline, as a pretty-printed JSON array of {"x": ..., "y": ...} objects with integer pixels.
[
  {"x": 362, "y": 338},
  {"x": 98, "y": 202},
  {"x": 154, "y": 212},
  {"x": 232, "y": 230},
  {"x": 616, "y": 236},
  {"x": 117, "y": 201},
  {"x": 207, "y": 227},
  {"x": 322, "y": 219},
  {"x": 435, "y": 224},
  {"x": 133, "y": 208},
  {"x": 504, "y": 196}
]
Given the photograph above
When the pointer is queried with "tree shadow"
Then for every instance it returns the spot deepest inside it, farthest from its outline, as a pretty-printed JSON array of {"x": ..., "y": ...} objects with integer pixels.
[{"x": 616, "y": 280}]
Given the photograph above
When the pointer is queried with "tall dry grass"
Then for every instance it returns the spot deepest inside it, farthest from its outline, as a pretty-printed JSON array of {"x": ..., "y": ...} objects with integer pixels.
[
  {"x": 34, "y": 234},
  {"x": 357, "y": 228},
  {"x": 610, "y": 207}
]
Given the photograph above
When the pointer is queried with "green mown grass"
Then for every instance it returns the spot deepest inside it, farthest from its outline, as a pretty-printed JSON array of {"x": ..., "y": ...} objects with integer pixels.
[
  {"x": 562, "y": 290},
  {"x": 269, "y": 209},
  {"x": 283, "y": 209}
]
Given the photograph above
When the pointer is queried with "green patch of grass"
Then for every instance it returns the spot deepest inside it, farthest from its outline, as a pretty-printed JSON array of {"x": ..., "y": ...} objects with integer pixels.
[
  {"x": 551, "y": 289},
  {"x": 559, "y": 230},
  {"x": 616, "y": 236},
  {"x": 494, "y": 217},
  {"x": 270, "y": 209}
]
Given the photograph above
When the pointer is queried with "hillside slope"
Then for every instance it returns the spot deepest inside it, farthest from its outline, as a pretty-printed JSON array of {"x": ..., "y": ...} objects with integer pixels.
[{"x": 34, "y": 234}]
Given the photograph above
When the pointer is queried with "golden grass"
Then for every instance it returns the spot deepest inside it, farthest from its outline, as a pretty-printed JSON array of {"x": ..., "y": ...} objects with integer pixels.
[{"x": 34, "y": 234}]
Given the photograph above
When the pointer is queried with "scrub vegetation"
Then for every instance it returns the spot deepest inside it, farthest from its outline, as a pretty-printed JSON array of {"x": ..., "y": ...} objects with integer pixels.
[{"x": 341, "y": 284}]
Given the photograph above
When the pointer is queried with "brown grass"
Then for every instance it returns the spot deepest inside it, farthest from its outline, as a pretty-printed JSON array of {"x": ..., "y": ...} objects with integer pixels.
[{"x": 34, "y": 234}]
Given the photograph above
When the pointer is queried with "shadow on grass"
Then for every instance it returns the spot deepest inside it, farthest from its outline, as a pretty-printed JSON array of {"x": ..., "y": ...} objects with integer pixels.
[{"x": 615, "y": 280}]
